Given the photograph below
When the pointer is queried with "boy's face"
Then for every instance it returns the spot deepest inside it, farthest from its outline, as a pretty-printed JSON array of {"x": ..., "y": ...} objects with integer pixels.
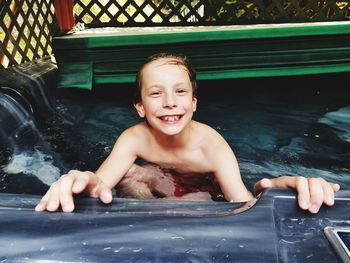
[{"x": 167, "y": 99}]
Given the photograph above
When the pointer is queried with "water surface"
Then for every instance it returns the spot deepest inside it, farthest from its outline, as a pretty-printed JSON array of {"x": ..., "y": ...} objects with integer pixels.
[{"x": 273, "y": 130}]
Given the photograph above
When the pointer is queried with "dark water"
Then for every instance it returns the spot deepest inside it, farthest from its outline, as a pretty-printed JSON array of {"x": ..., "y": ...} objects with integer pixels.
[{"x": 294, "y": 126}]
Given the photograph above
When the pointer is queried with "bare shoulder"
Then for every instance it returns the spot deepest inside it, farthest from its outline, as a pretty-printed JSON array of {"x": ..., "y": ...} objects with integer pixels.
[
  {"x": 205, "y": 131},
  {"x": 136, "y": 129},
  {"x": 135, "y": 134},
  {"x": 131, "y": 141},
  {"x": 207, "y": 136}
]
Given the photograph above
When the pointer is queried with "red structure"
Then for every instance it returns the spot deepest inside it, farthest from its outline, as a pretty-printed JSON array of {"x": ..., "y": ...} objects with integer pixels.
[{"x": 64, "y": 14}]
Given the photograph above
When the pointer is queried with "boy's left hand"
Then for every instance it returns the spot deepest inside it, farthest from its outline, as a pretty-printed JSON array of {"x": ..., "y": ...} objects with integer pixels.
[{"x": 312, "y": 192}]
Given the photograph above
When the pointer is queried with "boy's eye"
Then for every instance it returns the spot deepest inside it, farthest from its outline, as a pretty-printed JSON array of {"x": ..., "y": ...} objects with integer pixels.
[
  {"x": 155, "y": 93},
  {"x": 181, "y": 91}
]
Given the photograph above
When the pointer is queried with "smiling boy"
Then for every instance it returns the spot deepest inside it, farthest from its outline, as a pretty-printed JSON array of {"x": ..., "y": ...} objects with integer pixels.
[{"x": 171, "y": 139}]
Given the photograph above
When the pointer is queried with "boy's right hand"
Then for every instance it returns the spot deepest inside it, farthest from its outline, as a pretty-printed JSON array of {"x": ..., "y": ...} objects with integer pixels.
[{"x": 61, "y": 192}]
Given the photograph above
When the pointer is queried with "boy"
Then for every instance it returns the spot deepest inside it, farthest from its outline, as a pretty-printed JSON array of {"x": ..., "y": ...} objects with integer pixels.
[{"x": 169, "y": 138}]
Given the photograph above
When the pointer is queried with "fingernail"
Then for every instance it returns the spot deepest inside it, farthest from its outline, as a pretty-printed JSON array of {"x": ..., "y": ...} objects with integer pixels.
[
  {"x": 304, "y": 205},
  {"x": 106, "y": 197},
  {"x": 266, "y": 181},
  {"x": 67, "y": 208},
  {"x": 314, "y": 209},
  {"x": 330, "y": 201}
]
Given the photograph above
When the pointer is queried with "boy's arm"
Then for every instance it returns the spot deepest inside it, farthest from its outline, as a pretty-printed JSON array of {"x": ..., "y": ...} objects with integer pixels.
[
  {"x": 226, "y": 170},
  {"x": 121, "y": 158},
  {"x": 312, "y": 192},
  {"x": 97, "y": 184}
]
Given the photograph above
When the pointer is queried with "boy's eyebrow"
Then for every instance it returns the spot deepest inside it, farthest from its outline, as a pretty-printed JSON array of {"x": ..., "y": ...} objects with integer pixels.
[
  {"x": 181, "y": 83},
  {"x": 154, "y": 86},
  {"x": 161, "y": 86}
]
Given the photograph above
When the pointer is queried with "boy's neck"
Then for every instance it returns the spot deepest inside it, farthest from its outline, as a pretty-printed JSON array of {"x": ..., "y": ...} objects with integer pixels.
[{"x": 177, "y": 141}]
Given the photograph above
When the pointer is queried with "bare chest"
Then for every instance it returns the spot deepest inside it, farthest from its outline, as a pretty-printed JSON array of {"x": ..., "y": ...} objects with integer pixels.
[{"x": 190, "y": 162}]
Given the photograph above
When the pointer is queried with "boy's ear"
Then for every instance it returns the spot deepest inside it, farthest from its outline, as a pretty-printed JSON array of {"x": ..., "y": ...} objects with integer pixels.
[
  {"x": 194, "y": 104},
  {"x": 140, "y": 109}
]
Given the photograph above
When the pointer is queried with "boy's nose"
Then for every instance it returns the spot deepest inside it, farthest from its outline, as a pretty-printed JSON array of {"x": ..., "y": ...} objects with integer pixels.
[{"x": 169, "y": 101}]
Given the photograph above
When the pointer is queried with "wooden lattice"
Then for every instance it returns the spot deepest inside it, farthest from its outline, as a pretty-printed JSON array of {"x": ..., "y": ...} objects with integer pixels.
[
  {"x": 24, "y": 24},
  {"x": 98, "y": 13},
  {"x": 24, "y": 30}
]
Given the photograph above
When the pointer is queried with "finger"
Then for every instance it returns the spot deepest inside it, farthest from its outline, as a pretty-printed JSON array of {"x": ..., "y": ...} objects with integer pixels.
[
  {"x": 335, "y": 187},
  {"x": 65, "y": 193},
  {"x": 328, "y": 192},
  {"x": 299, "y": 183},
  {"x": 316, "y": 194},
  {"x": 105, "y": 194},
  {"x": 41, "y": 206},
  {"x": 81, "y": 180},
  {"x": 282, "y": 182},
  {"x": 262, "y": 185},
  {"x": 302, "y": 188},
  {"x": 53, "y": 197},
  {"x": 279, "y": 182}
]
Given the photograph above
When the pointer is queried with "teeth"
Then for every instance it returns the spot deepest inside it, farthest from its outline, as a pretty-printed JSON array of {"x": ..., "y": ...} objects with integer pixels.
[{"x": 170, "y": 118}]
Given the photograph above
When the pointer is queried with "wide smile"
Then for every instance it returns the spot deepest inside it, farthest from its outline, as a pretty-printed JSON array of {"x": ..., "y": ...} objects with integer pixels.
[{"x": 170, "y": 119}]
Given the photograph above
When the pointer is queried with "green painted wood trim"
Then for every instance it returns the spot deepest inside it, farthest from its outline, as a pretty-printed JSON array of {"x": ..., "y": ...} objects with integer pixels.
[
  {"x": 238, "y": 73},
  {"x": 75, "y": 75},
  {"x": 83, "y": 41}
]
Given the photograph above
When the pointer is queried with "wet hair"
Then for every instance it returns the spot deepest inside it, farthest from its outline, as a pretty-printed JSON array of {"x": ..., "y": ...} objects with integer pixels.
[{"x": 174, "y": 59}]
